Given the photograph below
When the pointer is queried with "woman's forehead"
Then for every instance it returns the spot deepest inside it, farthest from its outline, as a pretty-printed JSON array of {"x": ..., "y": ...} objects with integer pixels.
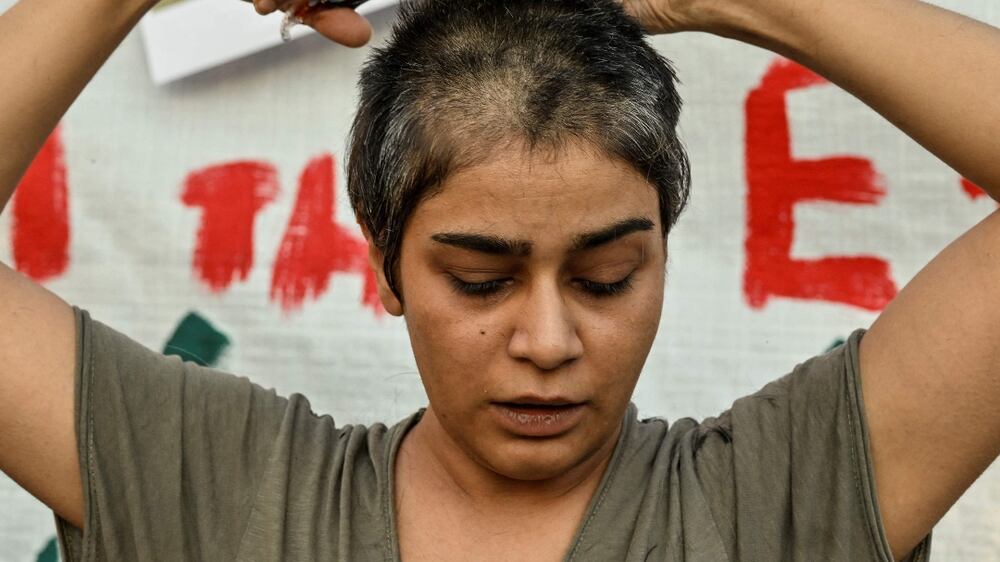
[{"x": 519, "y": 191}]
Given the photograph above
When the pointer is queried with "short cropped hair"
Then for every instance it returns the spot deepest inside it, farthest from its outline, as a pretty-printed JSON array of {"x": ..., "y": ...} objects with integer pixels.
[{"x": 461, "y": 79}]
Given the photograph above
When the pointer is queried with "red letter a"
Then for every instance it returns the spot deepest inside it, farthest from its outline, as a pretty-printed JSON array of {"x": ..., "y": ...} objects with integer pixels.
[
  {"x": 776, "y": 182},
  {"x": 40, "y": 211},
  {"x": 314, "y": 246}
]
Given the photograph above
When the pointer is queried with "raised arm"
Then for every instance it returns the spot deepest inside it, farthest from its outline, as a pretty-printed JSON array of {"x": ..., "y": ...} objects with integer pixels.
[
  {"x": 931, "y": 72},
  {"x": 931, "y": 362},
  {"x": 49, "y": 50}
]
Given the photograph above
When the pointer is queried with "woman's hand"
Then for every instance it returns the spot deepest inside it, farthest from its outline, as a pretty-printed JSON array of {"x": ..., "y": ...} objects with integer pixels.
[
  {"x": 661, "y": 16},
  {"x": 722, "y": 17},
  {"x": 341, "y": 25},
  {"x": 751, "y": 21}
]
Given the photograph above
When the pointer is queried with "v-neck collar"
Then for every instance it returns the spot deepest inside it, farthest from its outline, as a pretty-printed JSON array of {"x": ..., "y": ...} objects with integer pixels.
[{"x": 401, "y": 429}]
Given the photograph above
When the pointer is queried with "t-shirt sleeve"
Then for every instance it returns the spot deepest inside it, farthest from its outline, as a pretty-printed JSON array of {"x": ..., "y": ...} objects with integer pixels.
[
  {"x": 171, "y": 453},
  {"x": 788, "y": 470}
]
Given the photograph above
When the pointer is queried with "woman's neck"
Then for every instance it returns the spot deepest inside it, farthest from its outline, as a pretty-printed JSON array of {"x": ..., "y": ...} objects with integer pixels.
[{"x": 431, "y": 457}]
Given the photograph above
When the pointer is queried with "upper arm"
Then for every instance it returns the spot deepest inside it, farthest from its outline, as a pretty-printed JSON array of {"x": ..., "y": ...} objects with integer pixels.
[
  {"x": 37, "y": 361},
  {"x": 930, "y": 370}
]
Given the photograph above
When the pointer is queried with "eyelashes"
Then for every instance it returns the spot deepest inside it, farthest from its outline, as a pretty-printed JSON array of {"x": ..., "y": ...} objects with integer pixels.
[
  {"x": 494, "y": 286},
  {"x": 483, "y": 289},
  {"x": 607, "y": 289}
]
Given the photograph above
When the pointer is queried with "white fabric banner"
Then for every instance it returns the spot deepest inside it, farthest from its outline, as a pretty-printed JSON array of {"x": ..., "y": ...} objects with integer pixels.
[{"x": 154, "y": 178}]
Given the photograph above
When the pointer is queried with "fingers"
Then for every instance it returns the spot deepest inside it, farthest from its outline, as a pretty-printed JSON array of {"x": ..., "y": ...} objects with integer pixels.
[
  {"x": 342, "y": 25},
  {"x": 265, "y": 7},
  {"x": 657, "y": 16}
]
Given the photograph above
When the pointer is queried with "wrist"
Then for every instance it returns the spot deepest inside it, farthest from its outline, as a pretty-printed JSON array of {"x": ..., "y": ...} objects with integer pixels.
[{"x": 129, "y": 12}]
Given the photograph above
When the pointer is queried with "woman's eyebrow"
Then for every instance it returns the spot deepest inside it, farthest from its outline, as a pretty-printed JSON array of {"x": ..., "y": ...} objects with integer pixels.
[
  {"x": 590, "y": 240},
  {"x": 484, "y": 243},
  {"x": 500, "y": 246}
]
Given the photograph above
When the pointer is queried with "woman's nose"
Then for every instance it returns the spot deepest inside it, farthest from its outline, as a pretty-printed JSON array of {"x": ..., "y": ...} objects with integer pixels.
[{"x": 545, "y": 331}]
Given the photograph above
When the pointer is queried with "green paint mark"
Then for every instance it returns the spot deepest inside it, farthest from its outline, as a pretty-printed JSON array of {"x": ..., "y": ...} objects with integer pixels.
[
  {"x": 50, "y": 553},
  {"x": 195, "y": 339},
  {"x": 836, "y": 343}
]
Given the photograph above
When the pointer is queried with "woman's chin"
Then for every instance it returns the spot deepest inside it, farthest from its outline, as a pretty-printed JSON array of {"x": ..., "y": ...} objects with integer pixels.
[{"x": 538, "y": 459}]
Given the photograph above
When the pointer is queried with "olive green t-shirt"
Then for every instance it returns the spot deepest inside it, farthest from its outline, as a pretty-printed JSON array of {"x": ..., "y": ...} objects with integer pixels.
[{"x": 181, "y": 462}]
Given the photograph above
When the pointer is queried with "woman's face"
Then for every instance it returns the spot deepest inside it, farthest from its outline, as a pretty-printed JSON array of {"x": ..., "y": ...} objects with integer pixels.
[{"x": 533, "y": 286}]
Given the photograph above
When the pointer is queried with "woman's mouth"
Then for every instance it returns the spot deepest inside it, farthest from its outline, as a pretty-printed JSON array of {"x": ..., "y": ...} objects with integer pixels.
[{"x": 538, "y": 418}]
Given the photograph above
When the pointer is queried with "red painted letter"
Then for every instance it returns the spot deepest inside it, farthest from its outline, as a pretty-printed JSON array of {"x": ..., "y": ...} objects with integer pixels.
[
  {"x": 314, "y": 246},
  {"x": 230, "y": 196},
  {"x": 40, "y": 212},
  {"x": 776, "y": 182},
  {"x": 972, "y": 190}
]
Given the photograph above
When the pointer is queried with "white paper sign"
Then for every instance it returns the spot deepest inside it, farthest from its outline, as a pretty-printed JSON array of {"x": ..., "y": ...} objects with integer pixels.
[{"x": 189, "y": 36}]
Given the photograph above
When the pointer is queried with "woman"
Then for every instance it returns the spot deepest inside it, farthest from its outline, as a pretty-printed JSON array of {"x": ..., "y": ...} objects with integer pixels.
[{"x": 520, "y": 228}]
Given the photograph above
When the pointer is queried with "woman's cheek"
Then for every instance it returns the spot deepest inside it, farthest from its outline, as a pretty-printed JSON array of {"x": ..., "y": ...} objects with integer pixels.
[{"x": 453, "y": 350}]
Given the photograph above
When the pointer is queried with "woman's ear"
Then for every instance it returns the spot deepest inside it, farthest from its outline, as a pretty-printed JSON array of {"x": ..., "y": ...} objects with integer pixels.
[{"x": 376, "y": 260}]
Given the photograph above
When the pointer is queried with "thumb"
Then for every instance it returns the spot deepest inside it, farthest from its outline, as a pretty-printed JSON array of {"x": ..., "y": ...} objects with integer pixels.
[{"x": 341, "y": 25}]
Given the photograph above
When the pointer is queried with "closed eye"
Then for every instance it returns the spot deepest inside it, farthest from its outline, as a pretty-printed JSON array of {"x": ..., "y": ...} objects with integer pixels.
[
  {"x": 606, "y": 289},
  {"x": 493, "y": 286},
  {"x": 480, "y": 289}
]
